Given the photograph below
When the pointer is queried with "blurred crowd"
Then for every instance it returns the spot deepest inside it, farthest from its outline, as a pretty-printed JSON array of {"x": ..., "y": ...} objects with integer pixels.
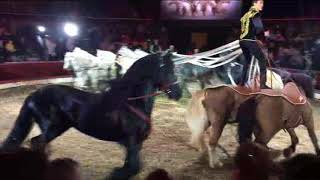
[
  {"x": 251, "y": 162},
  {"x": 294, "y": 45},
  {"x": 35, "y": 44}
]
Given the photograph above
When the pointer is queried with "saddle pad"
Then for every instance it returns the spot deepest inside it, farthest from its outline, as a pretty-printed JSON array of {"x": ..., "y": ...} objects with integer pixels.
[{"x": 290, "y": 92}]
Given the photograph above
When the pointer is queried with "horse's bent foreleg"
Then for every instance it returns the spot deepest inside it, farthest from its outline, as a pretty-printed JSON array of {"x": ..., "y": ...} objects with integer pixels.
[
  {"x": 51, "y": 125},
  {"x": 294, "y": 141},
  {"x": 51, "y": 132},
  {"x": 217, "y": 125},
  {"x": 262, "y": 140},
  {"x": 263, "y": 137}
]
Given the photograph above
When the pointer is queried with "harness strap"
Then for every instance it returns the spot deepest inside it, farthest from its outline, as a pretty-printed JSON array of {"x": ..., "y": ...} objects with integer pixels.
[
  {"x": 145, "y": 97},
  {"x": 163, "y": 89},
  {"x": 139, "y": 113}
]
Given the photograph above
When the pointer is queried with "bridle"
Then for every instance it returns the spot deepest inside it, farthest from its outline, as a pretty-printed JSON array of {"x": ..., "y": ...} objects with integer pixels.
[{"x": 164, "y": 89}]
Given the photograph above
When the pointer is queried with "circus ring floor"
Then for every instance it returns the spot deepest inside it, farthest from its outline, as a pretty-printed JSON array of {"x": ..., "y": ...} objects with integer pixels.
[{"x": 166, "y": 148}]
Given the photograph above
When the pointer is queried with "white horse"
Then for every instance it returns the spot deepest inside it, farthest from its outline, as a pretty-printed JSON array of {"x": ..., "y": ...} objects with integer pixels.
[
  {"x": 126, "y": 57},
  {"x": 91, "y": 70}
]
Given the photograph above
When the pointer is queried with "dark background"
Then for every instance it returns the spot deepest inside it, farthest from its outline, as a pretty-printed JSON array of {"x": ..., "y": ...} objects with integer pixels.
[{"x": 179, "y": 31}]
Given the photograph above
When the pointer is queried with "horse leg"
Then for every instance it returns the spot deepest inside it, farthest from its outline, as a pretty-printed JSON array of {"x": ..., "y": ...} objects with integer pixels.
[
  {"x": 51, "y": 127},
  {"x": 132, "y": 163},
  {"x": 185, "y": 89},
  {"x": 294, "y": 141},
  {"x": 21, "y": 128},
  {"x": 51, "y": 132},
  {"x": 197, "y": 139},
  {"x": 197, "y": 123},
  {"x": 310, "y": 127},
  {"x": 263, "y": 136},
  {"x": 215, "y": 131}
]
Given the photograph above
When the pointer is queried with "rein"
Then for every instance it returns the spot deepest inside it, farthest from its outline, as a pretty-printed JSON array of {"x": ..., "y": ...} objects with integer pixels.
[
  {"x": 142, "y": 115},
  {"x": 145, "y": 96},
  {"x": 139, "y": 113},
  {"x": 163, "y": 89}
]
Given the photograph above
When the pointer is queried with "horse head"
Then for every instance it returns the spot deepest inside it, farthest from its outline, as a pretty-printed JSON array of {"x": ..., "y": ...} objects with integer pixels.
[
  {"x": 167, "y": 79},
  {"x": 156, "y": 69}
]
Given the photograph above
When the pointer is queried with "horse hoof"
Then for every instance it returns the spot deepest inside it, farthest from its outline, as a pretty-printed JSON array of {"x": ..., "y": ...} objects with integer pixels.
[
  {"x": 218, "y": 164},
  {"x": 287, "y": 152},
  {"x": 120, "y": 174}
]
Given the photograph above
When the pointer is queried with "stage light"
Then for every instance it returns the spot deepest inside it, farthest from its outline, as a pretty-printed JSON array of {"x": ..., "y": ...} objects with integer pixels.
[
  {"x": 41, "y": 29},
  {"x": 71, "y": 29}
]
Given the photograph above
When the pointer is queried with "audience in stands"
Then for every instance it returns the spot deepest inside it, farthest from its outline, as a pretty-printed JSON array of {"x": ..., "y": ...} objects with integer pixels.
[
  {"x": 7, "y": 42},
  {"x": 26, "y": 164},
  {"x": 253, "y": 162},
  {"x": 159, "y": 174},
  {"x": 30, "y": 44},
  {"x": 288, "y": 46},
  {"x": 63, "y": 169},
  {"x": 23, "y": 164}
]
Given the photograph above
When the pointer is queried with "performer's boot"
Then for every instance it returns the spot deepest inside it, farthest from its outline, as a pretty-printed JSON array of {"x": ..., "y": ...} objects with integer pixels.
[
  {"x": 263, "y": 80},
  {"x": 242, "y": 81}
]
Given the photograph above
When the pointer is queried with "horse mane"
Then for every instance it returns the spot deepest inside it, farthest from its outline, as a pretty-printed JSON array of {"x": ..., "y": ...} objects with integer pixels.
[{"x": 144, "y": 67}]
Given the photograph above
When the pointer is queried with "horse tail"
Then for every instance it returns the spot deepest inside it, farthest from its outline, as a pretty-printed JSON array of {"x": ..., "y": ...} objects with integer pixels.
[
  {"x": 21, "y": 128},
  {"x": 196, "y": 119},
  {"x": 246, "y": 117}
]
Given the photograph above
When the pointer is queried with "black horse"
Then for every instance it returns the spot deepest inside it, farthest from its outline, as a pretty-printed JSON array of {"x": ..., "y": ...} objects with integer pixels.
[{"x": 111, "y": 116}]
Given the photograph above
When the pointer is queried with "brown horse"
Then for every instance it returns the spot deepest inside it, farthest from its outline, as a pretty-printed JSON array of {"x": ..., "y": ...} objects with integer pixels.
[{"x": 210, "y": 110}]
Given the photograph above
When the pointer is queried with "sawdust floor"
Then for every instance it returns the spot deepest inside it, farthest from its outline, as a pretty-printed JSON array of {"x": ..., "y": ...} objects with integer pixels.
[{"x": 166, "y": 148}]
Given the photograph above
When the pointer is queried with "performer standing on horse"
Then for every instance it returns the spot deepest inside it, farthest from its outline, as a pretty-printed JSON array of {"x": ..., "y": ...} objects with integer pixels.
[{"x": 251, "y": 25}]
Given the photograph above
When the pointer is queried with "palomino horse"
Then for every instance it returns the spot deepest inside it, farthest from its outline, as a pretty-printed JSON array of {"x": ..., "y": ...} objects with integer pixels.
[
  {"x": 210, "y": 109},
  {"x": 121, "y": 114}
]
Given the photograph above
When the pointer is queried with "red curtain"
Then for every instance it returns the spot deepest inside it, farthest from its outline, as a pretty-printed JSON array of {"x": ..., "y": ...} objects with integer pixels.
[{"x": 31, "y": 71}]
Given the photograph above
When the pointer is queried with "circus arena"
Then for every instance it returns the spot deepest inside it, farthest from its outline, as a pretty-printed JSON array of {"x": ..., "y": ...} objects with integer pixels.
[{"x": 112, "y": 84}]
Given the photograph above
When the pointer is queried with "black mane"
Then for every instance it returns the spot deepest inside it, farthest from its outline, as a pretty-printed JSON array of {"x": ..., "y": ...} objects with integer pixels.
[{"x": 135, "y": 75}]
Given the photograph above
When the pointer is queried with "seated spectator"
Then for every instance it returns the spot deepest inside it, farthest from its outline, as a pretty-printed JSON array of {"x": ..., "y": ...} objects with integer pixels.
[
  {"x": 301, "y": 166},
  {"x": 290, "y": 56},
  {"x": 254, "y": 162},
  {"x": 27, "y": 164},
  {"x": 251, "y": 163},
  {"x": 23, "y": 164},
  {"x": 159, "y": 174},
  {"x": 155, "y": 47},
  {"x": 63, "y": 169},
  {"x": 7, "y": 43}
]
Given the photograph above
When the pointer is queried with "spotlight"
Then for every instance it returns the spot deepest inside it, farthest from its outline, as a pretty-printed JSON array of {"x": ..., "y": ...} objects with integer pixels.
[
  {"x": 71, "y": 29},
  {"x": 41, "y": 29}
]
